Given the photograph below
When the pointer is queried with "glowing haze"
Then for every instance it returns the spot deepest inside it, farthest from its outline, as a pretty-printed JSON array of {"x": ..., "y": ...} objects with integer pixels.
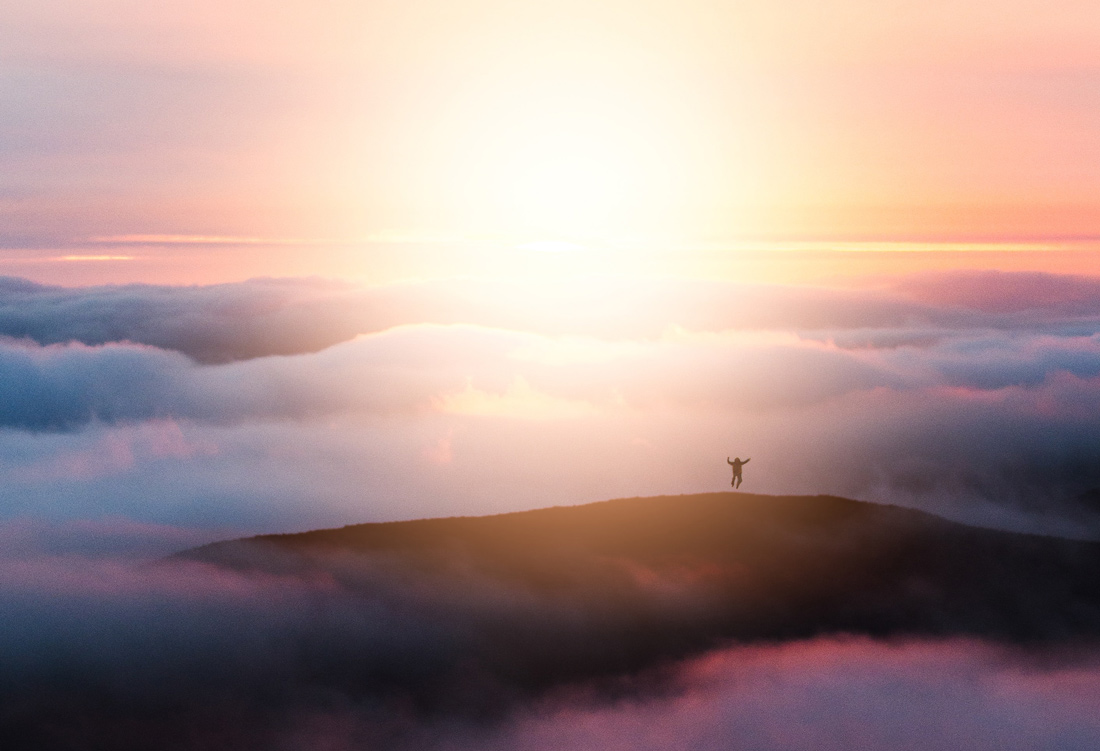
[
  {"x": 329, "y": 138},
  {"x": 271, "y": 266}
]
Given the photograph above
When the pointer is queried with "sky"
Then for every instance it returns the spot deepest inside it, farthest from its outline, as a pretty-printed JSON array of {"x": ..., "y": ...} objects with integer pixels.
[
  {"x": 269, "y": 267},
  {"x": 218, "y": 141}
]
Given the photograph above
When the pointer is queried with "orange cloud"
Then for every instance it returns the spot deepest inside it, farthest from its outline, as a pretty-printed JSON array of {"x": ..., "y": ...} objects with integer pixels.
[{"x": 519, "y": 401}]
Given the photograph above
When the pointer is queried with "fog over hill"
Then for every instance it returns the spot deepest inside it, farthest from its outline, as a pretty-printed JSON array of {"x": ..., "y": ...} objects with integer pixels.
[
  {"x": 698, "y": 568},
  {"x": 539, "y": 599},
  {"x": 445, "y": 633}
]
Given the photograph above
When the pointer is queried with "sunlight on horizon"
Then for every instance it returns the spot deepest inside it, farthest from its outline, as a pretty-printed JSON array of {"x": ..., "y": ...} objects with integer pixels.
[{"x": 401, "y": 256}]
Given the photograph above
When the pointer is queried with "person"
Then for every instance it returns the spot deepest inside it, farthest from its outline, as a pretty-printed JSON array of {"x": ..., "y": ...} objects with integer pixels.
[{"x": 736, "y": 464}]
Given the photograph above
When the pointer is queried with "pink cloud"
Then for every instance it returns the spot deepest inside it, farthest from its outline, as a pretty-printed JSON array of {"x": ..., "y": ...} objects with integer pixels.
[
  {"x": 440, "y": 451},
  {"x": 833, "y": 695},
  {"x": 116, "y": 452}
]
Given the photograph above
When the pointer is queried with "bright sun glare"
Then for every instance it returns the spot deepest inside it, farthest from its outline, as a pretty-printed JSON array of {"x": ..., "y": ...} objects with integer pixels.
[
  {"x": 573, "y": 189},
  {"x": 566, "y": 166}
]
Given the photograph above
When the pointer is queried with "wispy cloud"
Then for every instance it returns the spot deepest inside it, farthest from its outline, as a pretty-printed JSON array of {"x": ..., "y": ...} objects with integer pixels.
[
  {"x": 94, "y": 258},
  {"x": 193, "y": 240}
]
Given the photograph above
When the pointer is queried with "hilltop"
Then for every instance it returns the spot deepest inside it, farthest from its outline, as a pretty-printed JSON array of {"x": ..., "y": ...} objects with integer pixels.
[
  {"x": 703, "y": 568},
  {"x": 463, "y": 621}
]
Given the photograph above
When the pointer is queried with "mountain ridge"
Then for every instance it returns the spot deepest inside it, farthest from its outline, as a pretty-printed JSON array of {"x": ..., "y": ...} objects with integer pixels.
[{"x": 733, "y": 565}]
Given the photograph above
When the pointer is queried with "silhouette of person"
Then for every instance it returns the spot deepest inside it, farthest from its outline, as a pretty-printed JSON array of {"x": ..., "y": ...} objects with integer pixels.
[{"x": 736, "y": 464}]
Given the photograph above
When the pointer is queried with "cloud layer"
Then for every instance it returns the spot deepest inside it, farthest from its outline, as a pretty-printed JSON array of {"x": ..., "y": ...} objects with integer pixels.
[
  {"x": 226, "y": 322},
  {"x": 963, "y": 393},
  {"x": 97, "y": 654},
  {"x": 833, "y": 694},
  {"x": 139, "y": 420}
]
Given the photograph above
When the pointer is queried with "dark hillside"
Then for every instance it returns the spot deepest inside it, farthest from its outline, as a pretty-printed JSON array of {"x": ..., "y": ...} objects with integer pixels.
[
  {"x": 731, "y": 565},
  {"x": 407, "y": 624}
]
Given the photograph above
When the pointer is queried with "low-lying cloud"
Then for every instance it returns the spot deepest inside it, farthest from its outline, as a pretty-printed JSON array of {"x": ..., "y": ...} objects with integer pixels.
[
  {"x": 831, "y": 694},
  {"x": 972, "y": 394},
  {"x": 412, "y": 368},
  {"x": 262, "y": 317},
  {"x": 105, "y": 655}
]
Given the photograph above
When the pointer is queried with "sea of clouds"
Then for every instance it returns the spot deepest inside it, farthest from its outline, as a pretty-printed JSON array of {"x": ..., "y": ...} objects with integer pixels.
[
  {"x": 136, "y": 421},
  {"x": 273, "y": 405},
  {"x": 106, "y": 654}
]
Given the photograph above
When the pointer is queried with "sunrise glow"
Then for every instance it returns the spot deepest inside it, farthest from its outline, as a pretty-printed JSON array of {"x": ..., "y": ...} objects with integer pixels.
[{"x": 551, "y": 375}]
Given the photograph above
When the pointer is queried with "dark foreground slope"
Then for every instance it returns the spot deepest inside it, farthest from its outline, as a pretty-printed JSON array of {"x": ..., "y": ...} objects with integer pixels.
[
  {"x": 694, "y": 569},
  {"x": 378, "y": 631}
]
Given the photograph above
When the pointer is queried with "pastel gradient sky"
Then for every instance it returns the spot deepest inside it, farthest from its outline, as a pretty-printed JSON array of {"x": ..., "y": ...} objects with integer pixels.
[
  {"x": 269, "y": 266},
  {"x": 214, "y": 141}
]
